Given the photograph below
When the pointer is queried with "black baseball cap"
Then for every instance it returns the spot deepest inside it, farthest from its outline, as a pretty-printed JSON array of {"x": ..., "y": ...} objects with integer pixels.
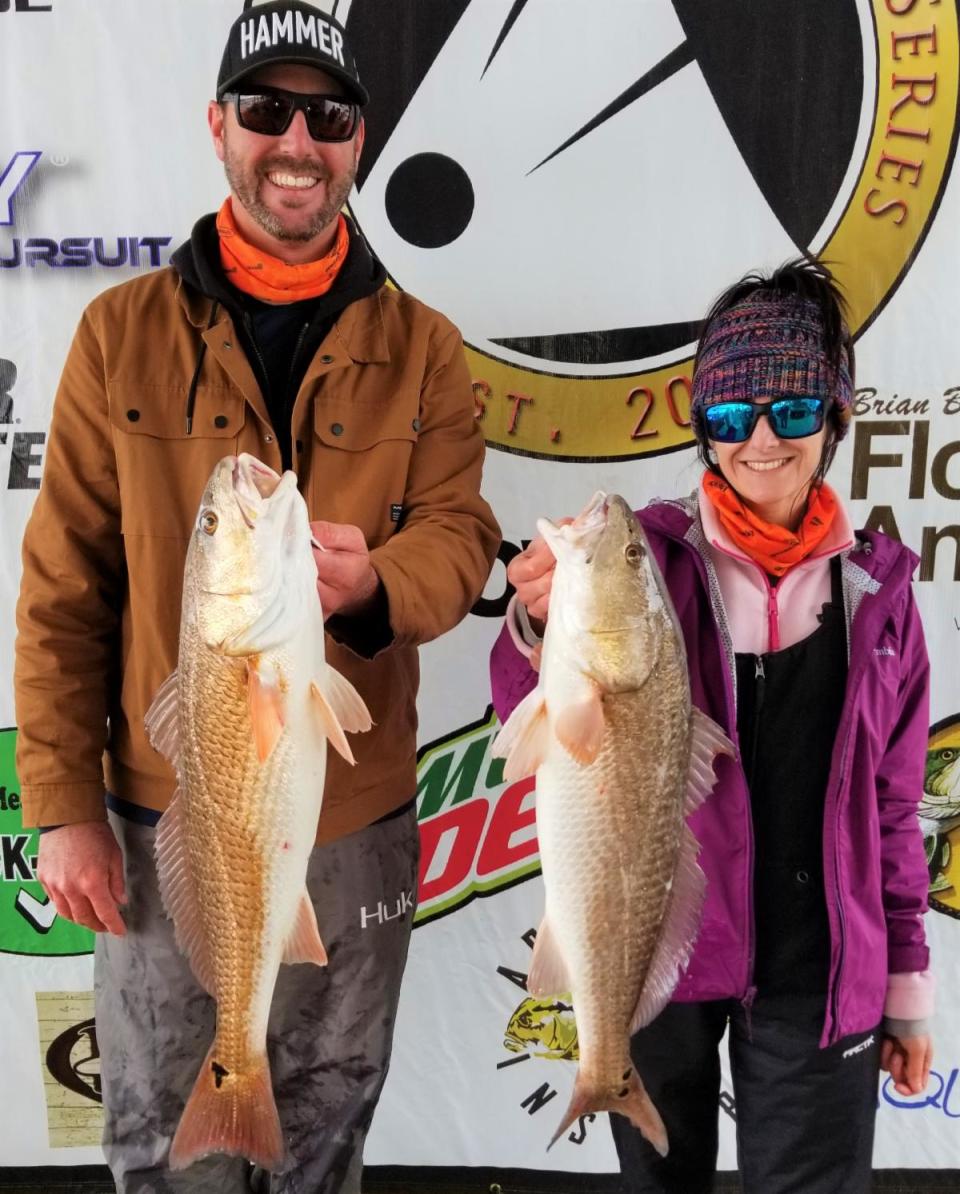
[{"x": 288, "y": 31}]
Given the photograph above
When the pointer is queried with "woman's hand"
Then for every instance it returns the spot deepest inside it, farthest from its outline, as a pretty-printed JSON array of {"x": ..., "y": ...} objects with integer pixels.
[
  {"x": 907, "y": 1062},
  {"x": 531, "y": 574}
]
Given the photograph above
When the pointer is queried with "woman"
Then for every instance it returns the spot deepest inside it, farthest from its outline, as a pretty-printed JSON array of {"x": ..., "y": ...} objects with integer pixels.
[{"x": 804, "y": 643}]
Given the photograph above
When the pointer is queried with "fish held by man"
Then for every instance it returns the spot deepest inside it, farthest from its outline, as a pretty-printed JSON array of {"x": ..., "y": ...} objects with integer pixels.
[
  {"x": 245, "y": 720},
  {"x": 621, "y": 758}
]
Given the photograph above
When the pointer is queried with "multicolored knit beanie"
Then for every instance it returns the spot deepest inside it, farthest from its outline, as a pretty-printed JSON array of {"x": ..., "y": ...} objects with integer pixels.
[{"x": 767, "y": 346}]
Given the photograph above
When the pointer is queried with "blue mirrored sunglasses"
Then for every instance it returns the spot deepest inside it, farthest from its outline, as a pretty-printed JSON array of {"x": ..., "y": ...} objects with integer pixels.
[{"x": 790, "y": 418}]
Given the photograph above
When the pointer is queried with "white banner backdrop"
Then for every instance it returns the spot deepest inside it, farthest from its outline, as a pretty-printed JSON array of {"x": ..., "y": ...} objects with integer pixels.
[{"x": 539, "y": 171}]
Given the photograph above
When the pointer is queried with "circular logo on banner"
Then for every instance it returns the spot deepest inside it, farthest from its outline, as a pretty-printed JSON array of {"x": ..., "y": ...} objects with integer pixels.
[
  {"x": 574, "y": 185},
  {"x": 940, "y": 815}
]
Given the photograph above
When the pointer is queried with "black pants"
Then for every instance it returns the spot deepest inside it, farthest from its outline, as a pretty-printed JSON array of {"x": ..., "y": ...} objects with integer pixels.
[{"x": 805, "y": 1115}]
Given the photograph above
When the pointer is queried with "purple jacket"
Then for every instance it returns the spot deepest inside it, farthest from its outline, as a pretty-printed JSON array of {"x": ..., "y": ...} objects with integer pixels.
[{"x": 875, "y": 871}]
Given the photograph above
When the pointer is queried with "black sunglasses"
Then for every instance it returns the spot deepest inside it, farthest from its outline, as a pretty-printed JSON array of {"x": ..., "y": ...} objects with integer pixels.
[
  {"x": 790, "y": 418},
  {"x": 269, "y": 111}
]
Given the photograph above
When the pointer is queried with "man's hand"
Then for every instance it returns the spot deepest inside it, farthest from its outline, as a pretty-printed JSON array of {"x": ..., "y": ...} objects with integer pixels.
[
  {"x": 907, "y": 1062},
  {"x": 81, "y": 869},
  {"x": 346, "y": 580},
  {"x": 531, "y": 574}
]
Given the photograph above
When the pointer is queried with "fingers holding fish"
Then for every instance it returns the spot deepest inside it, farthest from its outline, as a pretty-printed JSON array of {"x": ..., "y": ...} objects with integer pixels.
[{"x": 346, "y": 580}]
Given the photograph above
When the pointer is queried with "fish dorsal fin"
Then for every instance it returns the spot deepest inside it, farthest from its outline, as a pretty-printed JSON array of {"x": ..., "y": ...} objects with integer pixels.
[
  {"x": 265, "y": 702},
  {"x": 579, "y": 725},
  {"x": 707, "y": 740},
  {"x": 304, "y": 943},
  {"x": 163, "y": 721},
  {"x": 678, "y": 933},
  {"x": 179, "y": 894},
  {"x": 524, "y": 738},
  {"x": 346, "y": 703},
  {"x": 548, "y": 971},
  {"x": 330, "y": 726}
]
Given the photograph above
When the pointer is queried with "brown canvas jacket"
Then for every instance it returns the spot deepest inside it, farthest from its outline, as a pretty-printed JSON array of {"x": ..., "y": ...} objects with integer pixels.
[{"x": 385, "y": 438}]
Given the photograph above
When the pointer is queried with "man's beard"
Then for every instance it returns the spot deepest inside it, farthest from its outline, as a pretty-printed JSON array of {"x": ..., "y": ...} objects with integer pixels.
[{"x": 245, "y": 184}]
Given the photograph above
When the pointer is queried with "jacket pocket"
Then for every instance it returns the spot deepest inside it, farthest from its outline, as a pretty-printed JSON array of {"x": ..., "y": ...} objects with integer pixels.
[
  {"x": 161, "y": 470},
  {"x": 362, "y": 455}
]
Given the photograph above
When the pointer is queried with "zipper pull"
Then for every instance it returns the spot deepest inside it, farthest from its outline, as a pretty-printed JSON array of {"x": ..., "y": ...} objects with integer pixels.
[{"x": 759, "y": 673}]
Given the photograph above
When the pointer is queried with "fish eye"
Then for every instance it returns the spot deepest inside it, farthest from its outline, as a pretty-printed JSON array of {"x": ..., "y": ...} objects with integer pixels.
[
  {"x": 208, "y": 522},
  {"x": 633, "y": 553},
  {"x": 948, "y": 755}
]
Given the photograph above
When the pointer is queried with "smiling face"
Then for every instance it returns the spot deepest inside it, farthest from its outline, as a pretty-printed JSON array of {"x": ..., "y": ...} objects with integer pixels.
[
  {"x": 772, "y": 476},
  {"x": 288, "y": 190}
]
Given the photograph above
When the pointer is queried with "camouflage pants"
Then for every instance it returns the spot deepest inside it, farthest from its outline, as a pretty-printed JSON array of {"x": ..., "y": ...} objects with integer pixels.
[{"x": 329, "y": 1036}]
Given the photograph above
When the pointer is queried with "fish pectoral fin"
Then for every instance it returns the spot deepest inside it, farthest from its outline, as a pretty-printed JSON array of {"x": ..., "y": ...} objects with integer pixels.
[
  {"x": 548, "y": 971},
  {"x": 678, "y": 933},
  {"x": 179, "y": 894},
  {"x": 330, "y": 726},
  {"x": 162, "y": 720},
  {"x": 304, "y": 943},
  {"x": 524, "y": 738},
  {"x": 579, "y": 726},
  {"x": 347, "y": 704},
  {"x": 265, "y": 701},
  {"x": 707, "y": 740}
]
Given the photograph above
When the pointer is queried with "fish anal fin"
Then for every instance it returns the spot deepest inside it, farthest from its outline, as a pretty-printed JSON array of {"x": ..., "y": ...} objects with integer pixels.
[
  {"x": 162, "y": 720},
  {"x": 265, "y": 701},
  {"x": 231, "y": 1113},
  {"x": 548, "y": 971},
  {"x": 304, "y": 943},
  {"x": 678, "y": 933},
  {"x": 179, "y": 895},
  {"x": 707, "y": 740},
  {"x": 330, "y": 726},
  {"x": 579, "y": 726},
  {"x": 523, "y": 740}
]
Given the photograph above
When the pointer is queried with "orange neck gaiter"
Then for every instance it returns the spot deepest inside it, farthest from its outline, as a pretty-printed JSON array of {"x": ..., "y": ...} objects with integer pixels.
[
  {"x": 268, "y": 278},
  {"x": 776, "y": 549}
]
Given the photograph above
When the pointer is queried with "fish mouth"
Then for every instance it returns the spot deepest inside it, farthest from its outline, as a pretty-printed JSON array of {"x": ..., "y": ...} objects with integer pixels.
[{"x": 254, "y": 483}]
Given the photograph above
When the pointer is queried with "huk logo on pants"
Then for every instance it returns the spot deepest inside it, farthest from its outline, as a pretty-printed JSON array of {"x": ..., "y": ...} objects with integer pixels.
[{"x": 385, "y": 912}]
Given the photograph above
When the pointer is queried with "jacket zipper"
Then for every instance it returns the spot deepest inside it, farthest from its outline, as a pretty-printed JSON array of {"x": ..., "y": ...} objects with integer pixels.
[
  {"x": 760, "y": 678},
  {"x": 290, "y": 399}
]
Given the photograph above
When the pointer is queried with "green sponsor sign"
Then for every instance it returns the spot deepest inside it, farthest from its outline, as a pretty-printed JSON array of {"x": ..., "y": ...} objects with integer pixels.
[{"x": 28, "y": 920}]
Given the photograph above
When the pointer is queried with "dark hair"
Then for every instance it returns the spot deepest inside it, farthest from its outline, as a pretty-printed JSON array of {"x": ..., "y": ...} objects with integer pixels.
[{"x": 806, "y": 279}]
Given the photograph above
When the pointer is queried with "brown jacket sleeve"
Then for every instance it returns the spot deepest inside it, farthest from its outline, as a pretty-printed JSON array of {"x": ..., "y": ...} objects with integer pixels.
[
  {"x": 434, "y": 568},
  {"x": 67, "y": 649}
]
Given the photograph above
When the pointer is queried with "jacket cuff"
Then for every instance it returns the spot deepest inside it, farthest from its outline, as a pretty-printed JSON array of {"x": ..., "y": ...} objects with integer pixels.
[
  {"x": 909, "y": 996},
  {"x": 365, "y": 634},
  {"x": 905, "y": 1030},
  {"x": 53, "y": 805}
]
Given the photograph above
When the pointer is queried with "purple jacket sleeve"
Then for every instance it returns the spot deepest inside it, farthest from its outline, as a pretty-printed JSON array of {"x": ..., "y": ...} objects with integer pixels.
[
  {"x": 899, "y": 788},
  {"x": 511, "y": 676}
]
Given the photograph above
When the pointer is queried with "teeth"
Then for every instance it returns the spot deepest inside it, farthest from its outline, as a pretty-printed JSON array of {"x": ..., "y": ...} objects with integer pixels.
[
  {"x": 292, "y": 180},
  {"x": 764, "y": 466}
]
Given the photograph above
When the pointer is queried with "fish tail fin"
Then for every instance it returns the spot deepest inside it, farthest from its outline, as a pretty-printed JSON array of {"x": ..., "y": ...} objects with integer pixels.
[
  {"x": 232, "y": 1113},
  {"x": 631, "y": 1101}
]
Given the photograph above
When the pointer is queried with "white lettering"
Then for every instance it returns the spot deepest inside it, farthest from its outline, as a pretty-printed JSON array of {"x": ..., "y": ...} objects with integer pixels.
[
  {"x": 13, "y": 179},
  {"x": 323, "y": 32},
  {"x": 402, "y": 904},
  {"x": 306, "y": 29},
  {"x": 282, "y": 27},
  {"x": 337, "y": 45},
  {"x": 858, "y": 1048},
  {"x": 263, "y": 34},
  {"x": 246, "y": 37}
]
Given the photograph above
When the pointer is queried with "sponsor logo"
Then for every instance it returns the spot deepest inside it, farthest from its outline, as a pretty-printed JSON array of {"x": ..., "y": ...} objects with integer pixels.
[
  {"x": 855, "y": 1049},
  {"x": 24, "y": 448},
  {"x": 71, "y": 252},
  {"x": 267, "y": 31},
  {"x": 385, "y": 912},
  {"x": 939, "y": 812},
  {"x": 580, "y": 259},
  {"x": 477, "y": 833},
  {"x": 942, "y": 1094},
  {"x": 70, "y": 1068},
  {"x": 29, "y": 923}
]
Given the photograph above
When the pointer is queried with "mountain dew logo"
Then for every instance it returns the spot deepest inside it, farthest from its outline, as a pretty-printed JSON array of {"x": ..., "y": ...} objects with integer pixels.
[
  {"x": 29, "y": 923},
  {"x": 477, "y": 833}
]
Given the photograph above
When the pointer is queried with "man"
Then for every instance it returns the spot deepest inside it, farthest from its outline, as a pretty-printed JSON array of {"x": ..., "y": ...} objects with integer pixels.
[{"x": 271, "y": 333}]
